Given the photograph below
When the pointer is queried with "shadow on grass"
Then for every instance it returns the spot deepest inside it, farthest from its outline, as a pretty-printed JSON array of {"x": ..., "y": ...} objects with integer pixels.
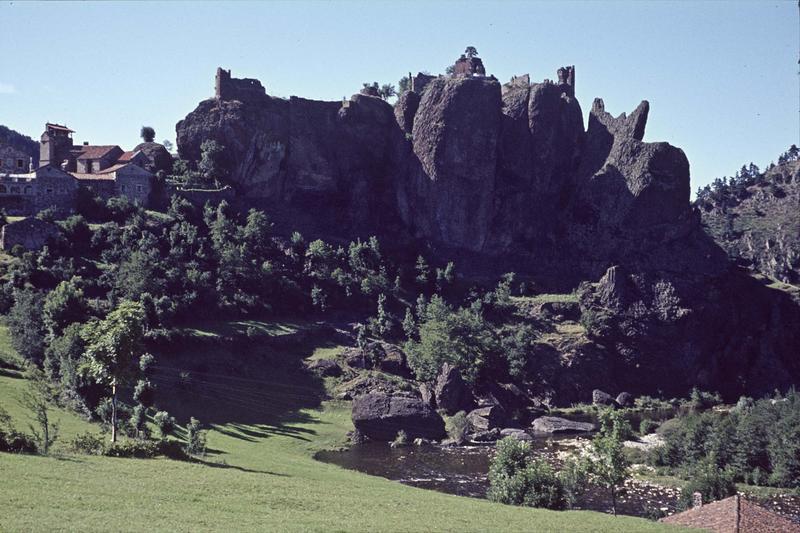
[
  {"x": 249, "y": 390},
  {"x": 226, "y": 466}
]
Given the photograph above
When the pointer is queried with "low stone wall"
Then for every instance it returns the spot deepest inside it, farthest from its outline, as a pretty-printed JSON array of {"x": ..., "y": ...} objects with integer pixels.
[{"x": 200, "y": 197}]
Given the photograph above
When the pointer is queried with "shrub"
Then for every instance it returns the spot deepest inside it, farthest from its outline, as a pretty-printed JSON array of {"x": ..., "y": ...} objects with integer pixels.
[
  {"x": 647, "y": 426},
  {"x": 710, "y": 481},
  {"x": 401, "y": 439},
  {"x": 457, "y": 427},
  {"x": 88, "y": 443},
  {"x": 165, "y": 423},
  {"x": 515, "y": 477},
  {"x": 195, "y": 438},
  {"x": 12, "y": 440}
]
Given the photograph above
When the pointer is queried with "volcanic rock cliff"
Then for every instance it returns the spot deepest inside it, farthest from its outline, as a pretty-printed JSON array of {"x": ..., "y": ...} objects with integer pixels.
[
  {"x": 464, "y": 163},
  {"x": 481, "y": 171}
]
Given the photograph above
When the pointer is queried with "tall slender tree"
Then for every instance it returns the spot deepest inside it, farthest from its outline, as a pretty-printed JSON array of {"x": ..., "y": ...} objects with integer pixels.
[{"x": 113, "y": 347}]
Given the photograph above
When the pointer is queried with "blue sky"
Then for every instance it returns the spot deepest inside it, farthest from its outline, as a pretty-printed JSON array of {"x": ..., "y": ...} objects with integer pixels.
[{"x": 721, "y": 77}]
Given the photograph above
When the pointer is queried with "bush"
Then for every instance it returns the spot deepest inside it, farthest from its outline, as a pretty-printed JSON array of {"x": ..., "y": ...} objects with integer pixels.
[
  {"x": 710, "y": 481},
  {"x": 647, "y": 426},
  {"x": 516, "y": 478},
  {"x": 88, "y": 443},
  {"x": 12, "y": 440},
  {"x": 401, "y": 439},
  {"x": 457, "y": 427},
  {"x": 195, "y": 438},
  {"x": 165, "y": 423},
  {"x": 145, "y": 449}
]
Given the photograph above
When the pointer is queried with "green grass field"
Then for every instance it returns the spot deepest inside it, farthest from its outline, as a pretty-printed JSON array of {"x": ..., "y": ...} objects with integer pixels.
[{"x": 259, "y": 474}]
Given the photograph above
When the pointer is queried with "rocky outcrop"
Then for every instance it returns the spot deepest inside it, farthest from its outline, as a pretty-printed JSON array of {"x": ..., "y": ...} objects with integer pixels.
[
  {"x": 554, "y": 424},
  {"x": 380, "y": 416},
  {"x": 325, "y": 367},
  {"x": 157, "y": 155},
  {"x": 486, "y": 418},
  {"x": 602, "y": 398},
  {"x": 452, "y": 392}
]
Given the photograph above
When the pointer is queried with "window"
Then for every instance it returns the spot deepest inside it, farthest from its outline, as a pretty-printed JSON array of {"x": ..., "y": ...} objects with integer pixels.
[
  {"x": 122, "y": 188},
  {"x": 28, "y": 189},
  {"x": 20, "y": 163},
  {"x": 14, "y": 190},
  {"x": 49, "y": 190},
  {"x": 138, "y": 188}
]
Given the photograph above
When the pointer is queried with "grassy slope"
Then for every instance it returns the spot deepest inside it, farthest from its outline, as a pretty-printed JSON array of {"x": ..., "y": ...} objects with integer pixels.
[{"x": 259, "y": 476}]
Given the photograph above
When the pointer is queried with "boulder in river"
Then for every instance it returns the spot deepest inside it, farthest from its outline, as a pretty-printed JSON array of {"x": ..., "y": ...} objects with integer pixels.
[
  {"x": 380, "y": 416},
  {"x": 485, "y": 418},
  {"x": 554, "y": 424},
  {"x": 519, "y": 434}
]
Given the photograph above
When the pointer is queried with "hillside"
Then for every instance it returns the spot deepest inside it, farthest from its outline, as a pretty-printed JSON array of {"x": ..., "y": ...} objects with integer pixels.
[
  {"x": 21, "y": 142},
  {"x": 759, "y": 225},
  {"x": 259, "y": 473}
]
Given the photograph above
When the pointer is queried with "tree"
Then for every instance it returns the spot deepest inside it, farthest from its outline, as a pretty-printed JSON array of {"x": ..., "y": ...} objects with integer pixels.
[
  {"x": 423, "y": 270},
  {"x": 147, "y": 134},
  {"x": 36, "y": 398},
  {"x": 404, "y": 84},
  {"x": 609, "y": 465},
  {"x": 113, "y": 346},
  {"x": 63, "y": 306},
  {"x": 387, "y": 90},
  {"x": 471, "y": 51},
  {"x": 168, "y": 145},
  {"x": 211, "y": 154},
  {"x": 26, "y": 326}
]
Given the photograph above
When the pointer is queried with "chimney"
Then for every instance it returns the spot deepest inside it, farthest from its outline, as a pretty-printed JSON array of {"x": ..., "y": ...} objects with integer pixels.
[
  {"x": 697, "y": 499},
  {"x": 86, "y": 143}
]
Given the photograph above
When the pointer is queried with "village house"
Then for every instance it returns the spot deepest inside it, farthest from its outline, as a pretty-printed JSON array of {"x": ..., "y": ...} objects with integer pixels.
[
  {"x": 13, "y": 160},
  {"x": 106, "y": 170},
  {"x": 30, "y": 233}
]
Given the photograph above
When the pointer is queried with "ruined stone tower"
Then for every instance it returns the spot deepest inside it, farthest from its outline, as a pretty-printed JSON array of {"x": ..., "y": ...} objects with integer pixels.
[{"x": 244, "y": 90}]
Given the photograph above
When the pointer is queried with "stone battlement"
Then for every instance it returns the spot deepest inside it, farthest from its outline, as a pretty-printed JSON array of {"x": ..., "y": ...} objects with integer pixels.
[{"x": 244, "y": 89}]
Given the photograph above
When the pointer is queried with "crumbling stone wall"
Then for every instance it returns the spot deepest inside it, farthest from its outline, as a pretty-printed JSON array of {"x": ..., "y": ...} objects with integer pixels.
[
  {"x": 31, "y": 233},
  {"x": 244, "y": 89}
]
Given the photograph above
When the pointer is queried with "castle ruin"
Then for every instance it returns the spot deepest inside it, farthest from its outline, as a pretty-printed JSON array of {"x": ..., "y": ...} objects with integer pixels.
[{"x": 242, "y": 89}]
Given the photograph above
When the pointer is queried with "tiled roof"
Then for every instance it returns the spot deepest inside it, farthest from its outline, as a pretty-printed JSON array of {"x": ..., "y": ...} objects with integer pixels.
[
  {"x": 95, "y": 152},
  {"x": 734, "y": 515},
  {"x": 58, "y": 127},
  {"x": 113, "y": 168},
  {"x": 126, "y": 156}
]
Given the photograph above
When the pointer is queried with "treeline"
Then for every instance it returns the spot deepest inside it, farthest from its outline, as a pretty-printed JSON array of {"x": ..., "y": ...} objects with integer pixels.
[{"x": 730, "y": 191}]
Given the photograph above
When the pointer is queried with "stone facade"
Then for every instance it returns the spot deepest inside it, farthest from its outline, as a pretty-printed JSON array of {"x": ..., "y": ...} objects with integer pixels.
[
  {"x": 13, "y": 160},
  {"x": 45, "y": 187},
  {"x": 30, "y": 233},
  {"x": 469, "y": 66},
  {"x": 128, "y": 180}
]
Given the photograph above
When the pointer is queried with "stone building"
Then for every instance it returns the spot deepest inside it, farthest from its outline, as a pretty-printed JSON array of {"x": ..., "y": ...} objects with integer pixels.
[
  {"x": 469, "y": 66},
  {"x": 14, "y": 160},
  {"x": 43, "y": 188},
  {"x": 122, "y": 179},
  {"x": 244, "y": 89},
  {"x": 106, "y": 170},
  {"x": 30, "y": 233}
]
